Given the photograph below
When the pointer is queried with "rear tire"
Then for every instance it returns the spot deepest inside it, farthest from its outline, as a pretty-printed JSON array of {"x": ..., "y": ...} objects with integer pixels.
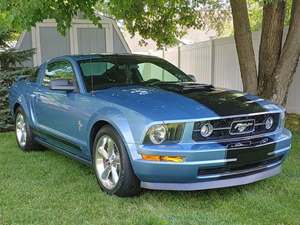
[
  {"x": 23, "y": 131},
  {"x": 112, "y": 166}
]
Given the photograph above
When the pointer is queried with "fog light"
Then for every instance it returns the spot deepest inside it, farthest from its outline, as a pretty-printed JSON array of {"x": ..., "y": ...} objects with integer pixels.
[
  {"x": 163, "y": 158},
  {"x": 206, "y": 130},
  {"x": 269, "y": 122}
]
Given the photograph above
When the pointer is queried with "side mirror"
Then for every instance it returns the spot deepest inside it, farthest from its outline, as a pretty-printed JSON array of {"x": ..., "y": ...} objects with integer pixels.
[
  {"x": 193, "y": 77},
  {"x": 62, "y": 85},
  {"x": 21, "y": 77}
]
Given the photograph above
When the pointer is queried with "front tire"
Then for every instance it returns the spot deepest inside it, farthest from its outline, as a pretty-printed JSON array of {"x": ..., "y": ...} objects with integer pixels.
[
  {"x": 112, "y": 166},
  {"x": 23, "y": 131}
]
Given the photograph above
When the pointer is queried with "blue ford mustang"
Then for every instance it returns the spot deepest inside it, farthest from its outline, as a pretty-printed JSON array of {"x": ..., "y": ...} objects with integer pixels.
[{"x": 140, "y": 122}]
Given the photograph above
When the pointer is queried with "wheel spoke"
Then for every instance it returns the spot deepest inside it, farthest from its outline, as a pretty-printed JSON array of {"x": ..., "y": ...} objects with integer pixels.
[
  {"x": 103, "y": 153},
  {"x": 22, "y": 139},
  {"x": 110, "y": 147},
  {"x": 105, "y": 174},
  {"x": 115, "y": 175},
  {"x": 104, "y": 141},
  {"x": 19, "y": 125},
  {"x": 24, "y": 136},
  {"x": 117, "y": 158}
]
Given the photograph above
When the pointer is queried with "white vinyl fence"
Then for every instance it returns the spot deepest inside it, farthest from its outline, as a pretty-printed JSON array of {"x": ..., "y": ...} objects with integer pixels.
[{"x": 216, "y": 62}]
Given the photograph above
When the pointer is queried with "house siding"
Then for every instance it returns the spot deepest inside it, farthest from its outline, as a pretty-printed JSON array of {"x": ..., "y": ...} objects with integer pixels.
[
  {"x": 25, "y": 45},
  {"x": 53, "y": 43},
  {"x": 83, "y": 38},
  {"x": 118, "y": 45},
  {"x": 91, "y": 40}
]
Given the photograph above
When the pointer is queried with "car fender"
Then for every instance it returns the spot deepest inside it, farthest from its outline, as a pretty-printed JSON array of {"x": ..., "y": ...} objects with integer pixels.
[
  {"x": 118, "y": 121},
  {"x": 23, "y": 102}
]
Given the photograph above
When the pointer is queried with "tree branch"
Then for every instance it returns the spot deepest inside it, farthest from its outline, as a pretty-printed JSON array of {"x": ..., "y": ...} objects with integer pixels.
[
  {"x": 244, "y": 46},
  {"x": 289, "y": 58},
  {"x": 270, "y": 45}
]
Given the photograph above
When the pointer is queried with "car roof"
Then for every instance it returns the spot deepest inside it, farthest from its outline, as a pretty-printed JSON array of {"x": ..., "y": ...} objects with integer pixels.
[{"x": 96, "y": 56}]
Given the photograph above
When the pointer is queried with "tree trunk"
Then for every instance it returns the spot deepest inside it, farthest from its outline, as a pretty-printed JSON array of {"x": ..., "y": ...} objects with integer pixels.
[
  {"x": 289, "y": 58},
  {"x": 244, "y": 46},
  {"x": 270, "y": 45}
]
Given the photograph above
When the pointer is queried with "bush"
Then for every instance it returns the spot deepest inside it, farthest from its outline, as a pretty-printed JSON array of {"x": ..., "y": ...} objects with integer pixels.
[
  {"x": 10, "y": 68},
  {"x": 6, "y": 80}
]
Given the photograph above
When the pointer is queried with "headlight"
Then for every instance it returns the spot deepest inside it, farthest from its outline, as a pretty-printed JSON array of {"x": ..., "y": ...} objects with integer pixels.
[
  {"x": 269, "y": 122},
  {"x": 164, "y": 133},
  {"x": 158, "y": 134},
  {"x": 206, "y": 130}
]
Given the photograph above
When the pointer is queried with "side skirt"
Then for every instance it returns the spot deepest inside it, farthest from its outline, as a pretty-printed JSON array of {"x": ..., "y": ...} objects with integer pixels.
[{"x": 39, "y": 137}]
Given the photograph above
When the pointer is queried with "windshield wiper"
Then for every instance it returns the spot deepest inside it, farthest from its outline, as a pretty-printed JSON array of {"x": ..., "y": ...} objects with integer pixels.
[
  {"x": 106, "y": 86},
  {"x": 151, "y": 82}
]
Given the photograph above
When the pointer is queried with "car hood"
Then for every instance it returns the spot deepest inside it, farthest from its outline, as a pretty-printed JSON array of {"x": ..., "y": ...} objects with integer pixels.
[{"x": 184, "y": 101}]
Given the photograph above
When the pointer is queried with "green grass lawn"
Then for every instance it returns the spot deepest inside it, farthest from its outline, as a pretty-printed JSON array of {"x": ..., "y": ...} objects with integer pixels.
[{"x": 48, "y": 188}]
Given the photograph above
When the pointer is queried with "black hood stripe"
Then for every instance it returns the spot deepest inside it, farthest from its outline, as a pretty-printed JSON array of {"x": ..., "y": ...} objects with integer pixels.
[{"x": 222, "y": 102}]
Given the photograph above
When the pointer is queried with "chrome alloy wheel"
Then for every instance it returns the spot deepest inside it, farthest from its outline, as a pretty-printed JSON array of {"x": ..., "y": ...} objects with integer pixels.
[
  {"x": 107, "y": 160},
  {"x": 21, "y": 131}
]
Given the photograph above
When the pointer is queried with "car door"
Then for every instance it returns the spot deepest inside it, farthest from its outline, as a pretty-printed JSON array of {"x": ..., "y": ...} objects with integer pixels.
[{"x": 57, "y": 114}]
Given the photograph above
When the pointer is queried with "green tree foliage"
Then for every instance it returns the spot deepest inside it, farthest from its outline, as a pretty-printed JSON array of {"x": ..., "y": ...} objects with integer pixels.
[
  {"x": 163, "y": 21},
  {"x": 255, "y": 9},
  {"x": 27, "y": 13},
  {"x": 10, "y": 67}
]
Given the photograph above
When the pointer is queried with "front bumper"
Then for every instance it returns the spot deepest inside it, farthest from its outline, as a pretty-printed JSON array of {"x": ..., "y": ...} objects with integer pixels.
[
  {"x": 214, "y": 164},
  {"x": 229, "y": 182}
]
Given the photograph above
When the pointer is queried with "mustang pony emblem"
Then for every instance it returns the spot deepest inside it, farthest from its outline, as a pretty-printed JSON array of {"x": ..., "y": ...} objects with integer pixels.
[{"x": 239, "y": 127}]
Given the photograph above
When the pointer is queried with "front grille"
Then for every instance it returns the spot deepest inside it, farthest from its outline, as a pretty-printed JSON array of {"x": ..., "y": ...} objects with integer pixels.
[{"x": 223, "y": 127}]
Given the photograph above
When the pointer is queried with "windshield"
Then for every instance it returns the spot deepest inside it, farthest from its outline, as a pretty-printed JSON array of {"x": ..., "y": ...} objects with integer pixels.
[{"x": 104, "y": 73}]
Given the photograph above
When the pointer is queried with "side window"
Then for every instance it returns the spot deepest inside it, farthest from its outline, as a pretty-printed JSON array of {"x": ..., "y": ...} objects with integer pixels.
[
  {"x": 58, "y": 70},
  {"x": 151, "y": 71}
]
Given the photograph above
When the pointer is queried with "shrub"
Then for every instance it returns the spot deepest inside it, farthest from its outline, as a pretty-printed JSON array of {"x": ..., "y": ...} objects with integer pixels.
[
  {"x": 11, "y": 61},
  {"x": 6, "y": 80},
  {"x": 11, "y": 65}
]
